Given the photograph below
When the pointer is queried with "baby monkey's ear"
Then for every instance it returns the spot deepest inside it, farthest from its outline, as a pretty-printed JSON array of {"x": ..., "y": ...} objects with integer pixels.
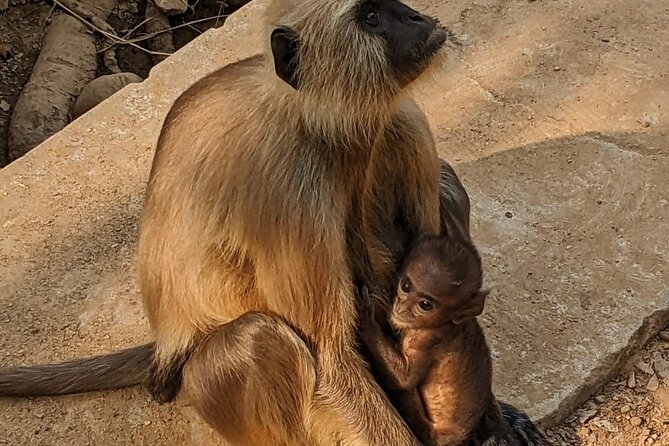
[{"x": 474, "y": 308}]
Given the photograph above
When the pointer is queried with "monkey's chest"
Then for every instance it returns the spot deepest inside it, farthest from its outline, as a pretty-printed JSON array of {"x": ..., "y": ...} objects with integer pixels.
[{"x": 454, "y": 402}]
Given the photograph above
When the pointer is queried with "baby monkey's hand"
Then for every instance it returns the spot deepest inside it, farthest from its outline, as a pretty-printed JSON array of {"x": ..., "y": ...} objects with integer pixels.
[{"x": 365, "y": 305}]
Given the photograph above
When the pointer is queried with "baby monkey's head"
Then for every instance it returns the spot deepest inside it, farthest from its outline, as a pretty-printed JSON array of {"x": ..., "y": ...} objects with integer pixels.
[{"x": 440, "y": 283}]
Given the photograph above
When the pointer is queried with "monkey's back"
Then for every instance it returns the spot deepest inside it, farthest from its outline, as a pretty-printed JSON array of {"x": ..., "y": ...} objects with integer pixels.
[{"x": 224, "y": 200}]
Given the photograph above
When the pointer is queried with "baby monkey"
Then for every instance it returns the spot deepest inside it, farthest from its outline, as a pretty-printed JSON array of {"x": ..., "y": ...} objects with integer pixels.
[{"x": 438, "y": 371}]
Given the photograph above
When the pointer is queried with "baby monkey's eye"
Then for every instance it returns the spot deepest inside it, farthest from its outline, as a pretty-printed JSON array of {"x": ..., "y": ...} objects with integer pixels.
[
  {"x": 405, "y": 286},
  {"x": 425, "y": 305}
]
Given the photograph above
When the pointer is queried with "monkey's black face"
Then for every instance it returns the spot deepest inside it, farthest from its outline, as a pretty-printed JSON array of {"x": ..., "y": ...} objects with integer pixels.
[
  {"x": 421, "y": 307},
  {"x": 411, "y": 38}
]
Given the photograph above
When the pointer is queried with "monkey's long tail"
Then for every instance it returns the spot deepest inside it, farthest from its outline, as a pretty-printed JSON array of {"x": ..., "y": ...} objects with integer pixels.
[
  {"x": 124, "y": 368},
  {"x": 524, "y": 431}
]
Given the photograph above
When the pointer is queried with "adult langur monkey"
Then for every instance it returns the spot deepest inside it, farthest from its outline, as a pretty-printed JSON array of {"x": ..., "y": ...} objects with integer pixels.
[{"x": 277, "y": 182}]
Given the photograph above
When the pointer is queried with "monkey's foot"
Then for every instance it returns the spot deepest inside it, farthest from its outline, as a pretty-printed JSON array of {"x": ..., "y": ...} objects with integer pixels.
[{"x": 164, "y": 386}]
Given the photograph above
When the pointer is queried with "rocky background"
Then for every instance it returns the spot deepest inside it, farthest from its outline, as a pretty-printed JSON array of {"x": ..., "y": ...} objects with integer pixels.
[{"x": 60, "y": 58}]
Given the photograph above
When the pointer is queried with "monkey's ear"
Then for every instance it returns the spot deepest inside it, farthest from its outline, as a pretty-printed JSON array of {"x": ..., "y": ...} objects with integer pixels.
[{"x": 285, "y": 47}]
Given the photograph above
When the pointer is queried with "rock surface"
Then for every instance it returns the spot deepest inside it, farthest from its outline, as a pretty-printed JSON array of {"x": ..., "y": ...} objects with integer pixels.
[
  {"x": 100, "y": 89},
  {"x": 566, "y": 167}
]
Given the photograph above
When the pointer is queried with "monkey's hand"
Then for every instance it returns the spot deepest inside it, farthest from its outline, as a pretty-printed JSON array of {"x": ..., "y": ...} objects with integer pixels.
[{"x": 365, "y": 304}]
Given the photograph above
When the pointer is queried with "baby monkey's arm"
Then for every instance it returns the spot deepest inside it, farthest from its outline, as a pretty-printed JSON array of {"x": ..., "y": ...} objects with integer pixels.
[{"x": 400, "y": 371}]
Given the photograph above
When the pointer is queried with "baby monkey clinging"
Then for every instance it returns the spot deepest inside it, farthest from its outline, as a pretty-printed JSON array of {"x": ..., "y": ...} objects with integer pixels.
[{"x": 439, "y": 372}]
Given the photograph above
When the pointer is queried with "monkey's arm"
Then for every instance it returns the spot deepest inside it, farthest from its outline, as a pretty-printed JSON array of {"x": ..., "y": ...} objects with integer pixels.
[{"x": 399, "y": 371}]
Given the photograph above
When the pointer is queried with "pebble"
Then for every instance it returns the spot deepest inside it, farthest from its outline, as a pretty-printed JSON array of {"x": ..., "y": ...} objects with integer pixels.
[
  {"x": 626, "y": 408},
  {"x": 631, "y": 382},
  {"x": 4, "y": 106},
  {"x": 653, "y": 384},
  {"x": 5, "y": 50},
  {"x": 644, "y": 367},
  {"x": 661, "y": 365},
  {"x": 133, "y": 8},
  {"x": 585, "y": 416},
  {"x": 636, "y": 421},
  {"x": 606, "y": 425},
  {"x": 601, "y": 399},
  {"x": 584, "y": 432}
]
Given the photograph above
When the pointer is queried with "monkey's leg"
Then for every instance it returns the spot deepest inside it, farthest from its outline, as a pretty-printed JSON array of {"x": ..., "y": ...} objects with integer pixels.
[
  {"x": 163, "y": 383},
  {"x": 349, "y": 399},
  {"x": 252, "y": 381},
  {"x": 453, "y": 198}
]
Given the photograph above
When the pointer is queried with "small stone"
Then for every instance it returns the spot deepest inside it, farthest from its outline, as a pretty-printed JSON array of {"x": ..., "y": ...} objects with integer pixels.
[
  {"x": 585, "y": 416},
  {"x": 508, "y": 214},
  {"x": 636, "y": 421},
  {"x": 605, "y": 39},
  {"x": 172, "y": 7},
  {"x": 663, "y": 398},
  {"x": 5, "y": 49},
  {"x": 39, "y": 414},
  {"x": 653, "y": 384},
  {"x": 631, "y": 382},
  {"x": 600, "y": 399},
  {"x": 584, "y": 432},
  {"x": 626, "y": 408},
  {"x": 4, "y": 106},
  {"x": 661, "y": 365},
  {"x": 644, "y": 367},
  {"x": 133, "y": 8},
  {"x": 556, "y": 68},
  {"x": 664, "y": 335},
  {"x": 147, "y": 423},
  {"x": 605, "y": 425}
]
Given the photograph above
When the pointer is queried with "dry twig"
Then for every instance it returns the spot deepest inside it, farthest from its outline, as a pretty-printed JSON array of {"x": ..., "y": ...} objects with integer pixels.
[
  {"x": 145, "y": 37},
  {"x": 75, "y": 9}
]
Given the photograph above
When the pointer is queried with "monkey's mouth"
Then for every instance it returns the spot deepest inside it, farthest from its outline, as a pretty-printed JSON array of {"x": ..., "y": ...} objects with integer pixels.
[
  {"x": 423, "y": 54},
  {"x": 399, "y": 322},
  {"x": 435, "y": 41}
]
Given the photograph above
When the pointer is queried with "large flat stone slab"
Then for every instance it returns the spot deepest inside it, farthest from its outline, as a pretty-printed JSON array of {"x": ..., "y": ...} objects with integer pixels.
[
  {"x": 573, "y": 236},
  {"x": 577, "y": 156}
]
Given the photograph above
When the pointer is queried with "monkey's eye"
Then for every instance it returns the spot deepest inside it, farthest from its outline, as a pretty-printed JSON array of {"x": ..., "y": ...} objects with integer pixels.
[
  {"x": 425, "y": 305},
  {"x": 405, "y": 286},
  {"x": 372, "y": 18}
]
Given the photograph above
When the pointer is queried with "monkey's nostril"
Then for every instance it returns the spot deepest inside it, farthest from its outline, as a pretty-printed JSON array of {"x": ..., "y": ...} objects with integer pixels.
[{"x": 418, "y": 18}]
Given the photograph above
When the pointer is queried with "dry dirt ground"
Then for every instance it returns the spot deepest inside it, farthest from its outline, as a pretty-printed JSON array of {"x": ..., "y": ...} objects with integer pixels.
[
  {"x": 22, "y": 27},
  {"x": 537, "y": 70}
]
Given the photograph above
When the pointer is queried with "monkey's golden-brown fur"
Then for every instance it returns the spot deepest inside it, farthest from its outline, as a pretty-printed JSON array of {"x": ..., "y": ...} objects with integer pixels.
[
  {"x": 215, "y": 245},
  {"x": 237, "y": 356},
  {"x": 272, "y": 193}
]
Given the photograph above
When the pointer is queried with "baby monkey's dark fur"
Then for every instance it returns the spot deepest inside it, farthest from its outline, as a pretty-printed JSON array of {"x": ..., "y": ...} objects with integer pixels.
[{"x": 439, "y": 371}]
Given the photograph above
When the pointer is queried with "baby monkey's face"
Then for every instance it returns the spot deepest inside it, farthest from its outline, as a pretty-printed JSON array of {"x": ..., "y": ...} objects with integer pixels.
[{"x": 420, "y": 303}]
